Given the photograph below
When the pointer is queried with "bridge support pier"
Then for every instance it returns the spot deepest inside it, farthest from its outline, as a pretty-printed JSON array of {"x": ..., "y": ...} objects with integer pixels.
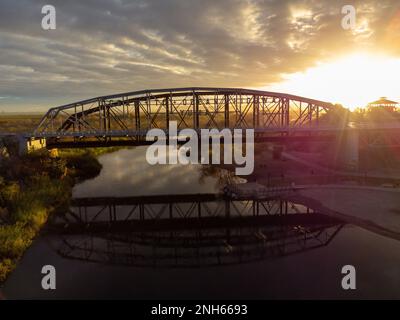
[
  {"x": 351, "y": 153},
  {"x": 27, "y": 145}
]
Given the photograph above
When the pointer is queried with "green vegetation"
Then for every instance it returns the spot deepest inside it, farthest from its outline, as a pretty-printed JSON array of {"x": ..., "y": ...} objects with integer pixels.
[
  {"x": 98, "y": 151},
  {"x": 31, "y": 188}
]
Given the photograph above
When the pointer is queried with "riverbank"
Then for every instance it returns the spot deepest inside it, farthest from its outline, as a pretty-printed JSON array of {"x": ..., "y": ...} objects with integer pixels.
[{"x": 33, "y": 187}]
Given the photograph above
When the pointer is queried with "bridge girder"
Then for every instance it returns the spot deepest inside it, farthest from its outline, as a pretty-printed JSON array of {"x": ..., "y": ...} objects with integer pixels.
[{"x": 132, "y": 114}]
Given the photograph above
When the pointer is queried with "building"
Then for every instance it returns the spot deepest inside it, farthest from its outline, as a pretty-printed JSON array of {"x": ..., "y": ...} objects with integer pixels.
[{"x": 383, "y": 103}]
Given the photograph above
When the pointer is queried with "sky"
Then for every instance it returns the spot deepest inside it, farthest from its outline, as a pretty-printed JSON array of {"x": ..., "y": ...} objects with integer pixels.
[{"x": 109, "y": 46}]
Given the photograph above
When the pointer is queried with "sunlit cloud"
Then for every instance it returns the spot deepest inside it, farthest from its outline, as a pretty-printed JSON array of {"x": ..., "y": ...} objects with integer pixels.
[
  {"x": 117, "y": 46},
  {"x": 353, "y": 80}
]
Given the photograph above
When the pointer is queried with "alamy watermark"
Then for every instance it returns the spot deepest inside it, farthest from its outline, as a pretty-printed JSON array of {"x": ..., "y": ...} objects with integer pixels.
[
  {"x": 49, "y": 19},
  {"x": 349, "y": 280},
  {"x": 349, "y": 20},
  {"x": 49, "y": 278},
  {"x": 165, "y": 149}
]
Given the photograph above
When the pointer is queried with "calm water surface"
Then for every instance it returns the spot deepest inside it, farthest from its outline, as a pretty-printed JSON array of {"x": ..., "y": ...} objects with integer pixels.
[{"x": 162, "y": 262}]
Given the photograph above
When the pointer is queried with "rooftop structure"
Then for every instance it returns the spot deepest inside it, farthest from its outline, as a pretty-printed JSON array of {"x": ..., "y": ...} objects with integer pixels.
[{"x": 383, "y": 102}]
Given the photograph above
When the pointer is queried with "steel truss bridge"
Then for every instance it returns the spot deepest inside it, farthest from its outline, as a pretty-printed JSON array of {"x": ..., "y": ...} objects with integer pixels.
[
  {"x": 188, "y": 231},
  {"x": 130, "y": 115}
]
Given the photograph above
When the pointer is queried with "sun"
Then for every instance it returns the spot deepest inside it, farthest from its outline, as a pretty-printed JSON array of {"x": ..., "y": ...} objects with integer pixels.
[{"x": 352, "y": 80}]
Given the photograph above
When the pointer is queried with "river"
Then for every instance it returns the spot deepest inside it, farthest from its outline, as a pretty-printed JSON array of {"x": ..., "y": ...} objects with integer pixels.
[{"x": 150, "y": 232}]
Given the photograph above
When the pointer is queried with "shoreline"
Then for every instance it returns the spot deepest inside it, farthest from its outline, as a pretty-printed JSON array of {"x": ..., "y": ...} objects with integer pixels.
[{"x": 30, "y": 201}]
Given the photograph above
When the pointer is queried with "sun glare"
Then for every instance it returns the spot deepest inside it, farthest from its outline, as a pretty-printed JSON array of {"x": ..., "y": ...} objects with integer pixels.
[{"x": 353, "y": 80}]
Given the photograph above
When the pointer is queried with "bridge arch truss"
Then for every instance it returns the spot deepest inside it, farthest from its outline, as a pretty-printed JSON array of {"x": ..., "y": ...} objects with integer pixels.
[{"x": 132, "y": 114}]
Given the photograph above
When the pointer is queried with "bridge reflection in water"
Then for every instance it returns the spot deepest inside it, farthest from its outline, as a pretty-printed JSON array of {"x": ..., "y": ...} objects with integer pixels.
[{"x": 188, "y": 231}]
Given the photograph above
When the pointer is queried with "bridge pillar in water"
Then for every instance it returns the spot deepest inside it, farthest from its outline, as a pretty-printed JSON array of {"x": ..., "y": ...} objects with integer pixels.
[
  {"x": 277, "y": 151},
  {"x": 351, "y": 152}
]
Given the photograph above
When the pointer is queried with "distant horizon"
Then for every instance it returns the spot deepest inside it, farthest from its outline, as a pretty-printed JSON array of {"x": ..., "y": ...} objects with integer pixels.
[{"x": 42, "y": 109}]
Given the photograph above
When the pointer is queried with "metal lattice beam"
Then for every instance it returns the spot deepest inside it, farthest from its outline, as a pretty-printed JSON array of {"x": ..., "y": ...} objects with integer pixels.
[{"x": 132, "y": 114}]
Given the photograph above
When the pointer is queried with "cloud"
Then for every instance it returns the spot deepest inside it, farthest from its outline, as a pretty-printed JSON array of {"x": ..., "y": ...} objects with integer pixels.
[{"x": 102, "y": 47}]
